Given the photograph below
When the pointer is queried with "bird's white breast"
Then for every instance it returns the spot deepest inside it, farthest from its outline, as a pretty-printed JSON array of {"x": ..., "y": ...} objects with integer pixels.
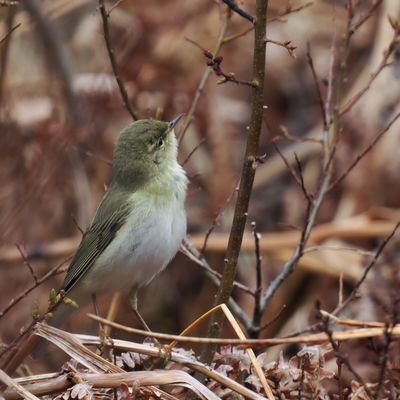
[{"x": 149, "y": 239}]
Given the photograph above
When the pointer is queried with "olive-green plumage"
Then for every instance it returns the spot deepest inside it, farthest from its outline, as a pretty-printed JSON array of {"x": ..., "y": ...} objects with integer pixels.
[{"x": 140, "y": 222}]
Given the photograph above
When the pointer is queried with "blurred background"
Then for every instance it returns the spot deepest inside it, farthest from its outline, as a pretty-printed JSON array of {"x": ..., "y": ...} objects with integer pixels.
[{"x": 61, "y": 113}]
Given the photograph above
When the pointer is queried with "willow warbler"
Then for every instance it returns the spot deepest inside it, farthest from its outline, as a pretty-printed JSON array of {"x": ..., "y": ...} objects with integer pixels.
[{"x": 140, "y": 223}]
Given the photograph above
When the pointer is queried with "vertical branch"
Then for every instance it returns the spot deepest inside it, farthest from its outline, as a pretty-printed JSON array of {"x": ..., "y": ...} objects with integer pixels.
[
  {"x": 341, "y": 78},
  {"x": 4, "y": 50},
  {"x": 257, "y": 312},
  {"x": 104, "y": 16},
  {"x": 247, "y": 176}
]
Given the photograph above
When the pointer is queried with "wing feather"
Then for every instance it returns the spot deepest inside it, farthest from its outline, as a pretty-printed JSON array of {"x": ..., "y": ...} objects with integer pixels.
[{"x": 110, "y": 217}]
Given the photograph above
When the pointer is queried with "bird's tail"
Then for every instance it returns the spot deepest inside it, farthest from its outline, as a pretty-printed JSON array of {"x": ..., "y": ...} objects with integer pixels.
[{"x": 60, "y": 315}]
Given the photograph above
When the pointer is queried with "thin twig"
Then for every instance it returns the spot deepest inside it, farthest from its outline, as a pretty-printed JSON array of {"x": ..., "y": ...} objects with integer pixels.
[
  {"x": 13, "y": 302},
  {"x": 273, "y": 319},
  {"x": 235, "y": 8},
  {"x": 307, "y": 195},
  {"x": 338, "y": 354},
  {"x": 217, "y": 219},
  {"x": 27, "y": 264},
  {"x": 4, "y": 50},
  {"x": 215, "y": 62},
  {"x": 289, "y": 9},
  {"x": 202, "y": 141},
  {"x": 384, "y": 63},
  {"x": 286, "y": 45},
  {"x": 114, "y": 65},
  {"x": 257, "y": 311},
  {"x": 204, "y": 79},
  {"x": 287, "y": 163},
  {"x": 195, "y": 255},
  {"x": 366, "y": 16},
  {"x": 317, "y": 86},
  {"x": 8, "y": 34},
  {"x": 373, "y": 261},
  {"x": 363, "y": 153},
  {"x": 114, "y": 6},
  {"x": 384, "y": 359},
  {"x": 278, "y": 18},
  {"x": 191, "y": 252}
]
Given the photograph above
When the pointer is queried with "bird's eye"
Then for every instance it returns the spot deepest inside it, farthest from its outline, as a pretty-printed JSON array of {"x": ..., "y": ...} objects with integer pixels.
[{"x": 160, "y": 142}]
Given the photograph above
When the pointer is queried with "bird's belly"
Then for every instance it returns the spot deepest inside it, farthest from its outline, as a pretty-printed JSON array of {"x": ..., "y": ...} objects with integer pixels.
[{"x": 144, "y": 246}]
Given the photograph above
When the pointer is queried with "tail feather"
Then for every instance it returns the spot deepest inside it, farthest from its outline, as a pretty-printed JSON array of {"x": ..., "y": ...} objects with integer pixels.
[{"x": 61, "y": 314}]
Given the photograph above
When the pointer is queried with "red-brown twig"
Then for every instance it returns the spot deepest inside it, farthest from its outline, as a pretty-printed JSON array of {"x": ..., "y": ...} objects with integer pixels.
[
  {"x": 368, "y": 14},
  {"x": 214, "y": 62},
  {"x": 289, "y": 9},
  {"x": 286, "y": 45}
]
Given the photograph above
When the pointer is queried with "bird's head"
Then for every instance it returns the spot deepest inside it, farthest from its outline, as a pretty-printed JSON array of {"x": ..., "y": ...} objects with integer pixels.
[{"x": 144, "y": 149}]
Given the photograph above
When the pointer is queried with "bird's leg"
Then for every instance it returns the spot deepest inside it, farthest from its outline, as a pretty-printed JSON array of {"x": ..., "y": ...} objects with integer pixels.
[{"x": 134, "y": 305}]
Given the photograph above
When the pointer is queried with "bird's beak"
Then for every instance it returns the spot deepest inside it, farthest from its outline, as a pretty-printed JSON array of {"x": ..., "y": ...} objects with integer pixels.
[{"x": 172, "y": 123}]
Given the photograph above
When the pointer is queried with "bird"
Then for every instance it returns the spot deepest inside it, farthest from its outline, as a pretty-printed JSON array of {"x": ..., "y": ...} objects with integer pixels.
[{"x": 140, "y": 222}]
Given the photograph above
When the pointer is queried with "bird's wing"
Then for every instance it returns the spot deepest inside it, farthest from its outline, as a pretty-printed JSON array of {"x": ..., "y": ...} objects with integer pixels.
[{"x": 110, "y": 217}]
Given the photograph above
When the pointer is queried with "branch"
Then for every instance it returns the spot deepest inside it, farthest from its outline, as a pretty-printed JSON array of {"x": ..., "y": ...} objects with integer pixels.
[
  {"x": 354, "y": 292},
  {"x": 235, "y": 8},
  {"x": 215, "y": 63},
  {"x": 204, "y": 79},
  {"x": 317, "y": 86},
  {"x": 247, "y": 177},
  {"x": 384, "y": 63},
  {"x": 341, "y": 358},
  {"x": 257, "y": 312},
  {"x": 286, "y": 45},
  {"x": 38, "y": 281},
  {"x": 289, "y": 10},
  {"x": 4, "y": 50},
  {"x": 8, "y": 34},
  {"x": 366, "y": 16},
  {"x": 191, "y": 252},
  {"x": 364, "y": 152},
  {"x": 110, "y": 50}
]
